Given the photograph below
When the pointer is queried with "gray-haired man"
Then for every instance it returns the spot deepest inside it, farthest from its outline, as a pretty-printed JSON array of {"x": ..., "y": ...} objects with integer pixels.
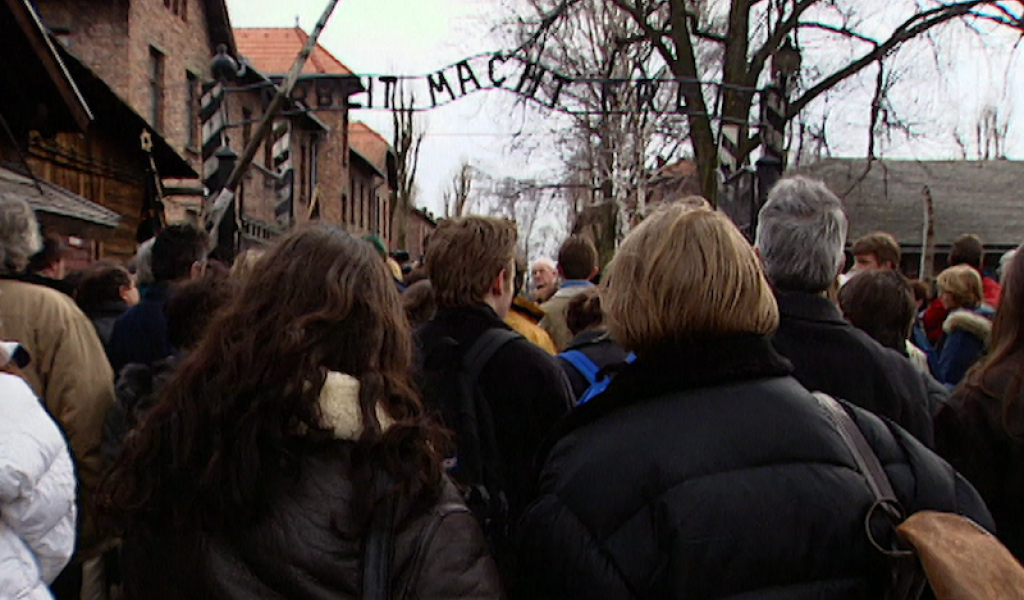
[{"x": 801, "y": 234}]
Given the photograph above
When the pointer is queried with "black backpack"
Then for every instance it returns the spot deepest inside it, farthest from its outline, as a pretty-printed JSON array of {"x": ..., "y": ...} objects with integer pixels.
[{"x": 476, "y": 464}]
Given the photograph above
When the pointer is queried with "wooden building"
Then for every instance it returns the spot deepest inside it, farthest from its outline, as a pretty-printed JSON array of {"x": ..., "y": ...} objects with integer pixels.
[
  {"x": 73, "y": 149},
  {"x": 982, "y": 197}
]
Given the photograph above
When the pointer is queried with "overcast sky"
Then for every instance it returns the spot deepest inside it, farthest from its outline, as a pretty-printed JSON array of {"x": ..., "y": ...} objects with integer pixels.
[
  {"x": 414, "y": 37},
  {"x": 408, "y": 37}
]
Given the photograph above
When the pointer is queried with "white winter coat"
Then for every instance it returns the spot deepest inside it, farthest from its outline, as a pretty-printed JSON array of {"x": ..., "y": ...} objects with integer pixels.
[{"x": 37, "y": 495}]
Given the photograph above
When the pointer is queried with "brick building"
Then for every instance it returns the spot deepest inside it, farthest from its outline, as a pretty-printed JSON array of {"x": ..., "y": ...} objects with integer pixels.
[
  {"x": 324, "y": 195},
  {"x": 372, "y": 176}
]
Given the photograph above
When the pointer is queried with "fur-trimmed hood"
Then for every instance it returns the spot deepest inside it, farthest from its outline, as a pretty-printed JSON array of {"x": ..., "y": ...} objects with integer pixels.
[
  {"x": 974, "y": 322},
  {"x": 339, "y": 407}
]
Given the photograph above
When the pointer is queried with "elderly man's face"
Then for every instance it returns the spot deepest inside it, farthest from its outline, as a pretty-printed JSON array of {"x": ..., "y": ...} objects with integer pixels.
[{"x": 544, "y": 277}]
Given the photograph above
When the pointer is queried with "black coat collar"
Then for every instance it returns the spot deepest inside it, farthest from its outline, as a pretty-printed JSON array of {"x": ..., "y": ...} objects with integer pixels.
[
  {"x": 680, "y": 367},
  {"x": 808, "y": 306}
]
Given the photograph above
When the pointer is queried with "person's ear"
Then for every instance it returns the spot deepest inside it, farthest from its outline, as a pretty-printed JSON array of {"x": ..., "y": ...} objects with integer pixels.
[
  {"x": 500, "y": 283},
  {"x": 594, "y": 272},
  {"x": 842, "y": 265}
]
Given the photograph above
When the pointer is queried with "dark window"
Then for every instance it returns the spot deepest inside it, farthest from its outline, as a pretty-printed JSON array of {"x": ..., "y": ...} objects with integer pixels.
[
  {"x": 344, "y": 208},
  {"x": 246, "y": 126},
  {"x": 303, "y": 173},
  {"x": 184, "y": 10},
  {"x": 156, "y": 88},
  {"x": 192, "y": 108}
]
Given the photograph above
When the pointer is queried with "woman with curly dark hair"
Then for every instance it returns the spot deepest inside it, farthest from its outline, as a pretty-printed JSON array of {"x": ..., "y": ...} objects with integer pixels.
[{"x": 290, "y": 451}]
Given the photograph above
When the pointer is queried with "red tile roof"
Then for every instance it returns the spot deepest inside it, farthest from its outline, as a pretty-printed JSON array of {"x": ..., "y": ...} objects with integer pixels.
[
  {"x": 273, "y": 50},
  {"x": 364, "y": 140}
]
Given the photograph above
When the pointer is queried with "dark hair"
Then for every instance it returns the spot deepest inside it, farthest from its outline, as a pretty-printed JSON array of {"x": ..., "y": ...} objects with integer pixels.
[
  {"x": 49, "y": 255},
  {"x": 218, "y": 446},
  {"x": 967, "y": 250},
  {"x": 882, "y": 245},
  {"x": 577, "y": 258},
  {"x": 191, "y": 307},
  {"x": 175, "y": 250},
  {"x": 521, "y": 270},
  {"x": 419, "y": 302},
  {"x": 1007, "y": 342},
  {"x": 102, "y": 283},
  {"x": 584, "y": 311},
  {"x": 921, "y": 290},
  {"x": 881, "y": 304}
]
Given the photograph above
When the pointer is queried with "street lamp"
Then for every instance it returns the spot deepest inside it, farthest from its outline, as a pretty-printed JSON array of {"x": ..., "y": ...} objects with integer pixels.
[
  {"x": 786, "y": 62},
  {"x": 774, "y": 105}
]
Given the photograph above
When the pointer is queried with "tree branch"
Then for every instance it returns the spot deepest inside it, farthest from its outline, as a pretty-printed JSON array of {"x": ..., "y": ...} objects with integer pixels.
[
  {"x": 912, "y": 27},
  {"x": 840, "y": 30},
  {"x": 546, "y": 22}
]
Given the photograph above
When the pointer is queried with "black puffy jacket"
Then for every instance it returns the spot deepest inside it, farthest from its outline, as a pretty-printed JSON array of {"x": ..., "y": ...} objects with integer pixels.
[{"x": 704, "y": 471}]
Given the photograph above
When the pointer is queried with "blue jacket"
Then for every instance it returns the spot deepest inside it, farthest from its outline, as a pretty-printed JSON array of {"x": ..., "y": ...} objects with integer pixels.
[
  {"x": 966, "y": 334},
  {"x": 140, "y": 334}
]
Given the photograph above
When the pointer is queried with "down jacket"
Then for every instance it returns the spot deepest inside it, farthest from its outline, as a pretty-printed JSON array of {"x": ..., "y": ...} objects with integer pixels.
[
  {"x": 706, "y": 472},
  {"x": 37, "y": 495},
  {"x": 70, "y": 373},
  {"x": 309, "y": 545}
]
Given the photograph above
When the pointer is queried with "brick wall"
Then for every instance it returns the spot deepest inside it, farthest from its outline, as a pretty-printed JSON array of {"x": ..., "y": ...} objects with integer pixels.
[
  {"x": 114, "y": 40},
  {"x": 333, "y": 166},
  {"x": 96, "y": 32}
]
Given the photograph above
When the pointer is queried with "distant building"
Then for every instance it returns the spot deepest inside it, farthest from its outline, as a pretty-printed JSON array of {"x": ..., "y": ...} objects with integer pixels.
[
  {"x": 980, "y": 197},
  {"x": 325, "y": 191}
]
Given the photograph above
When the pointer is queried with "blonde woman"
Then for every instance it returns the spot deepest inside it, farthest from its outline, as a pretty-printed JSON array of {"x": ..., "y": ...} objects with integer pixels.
[
  {"x": 967, "y": 328},
  {"x": 705, "y": 470}
]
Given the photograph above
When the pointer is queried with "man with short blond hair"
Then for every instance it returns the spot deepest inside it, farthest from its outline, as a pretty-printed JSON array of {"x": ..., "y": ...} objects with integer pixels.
[{"x": 518, "y": 390}]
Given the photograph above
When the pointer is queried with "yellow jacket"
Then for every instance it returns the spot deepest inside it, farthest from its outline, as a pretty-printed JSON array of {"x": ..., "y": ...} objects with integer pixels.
[{"x": 520, "y": 318}]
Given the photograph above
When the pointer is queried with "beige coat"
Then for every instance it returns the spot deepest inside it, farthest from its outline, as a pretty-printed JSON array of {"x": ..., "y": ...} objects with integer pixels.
[
  {"x": 69, "y": 371},
  {"x": 555, "y": 311}
]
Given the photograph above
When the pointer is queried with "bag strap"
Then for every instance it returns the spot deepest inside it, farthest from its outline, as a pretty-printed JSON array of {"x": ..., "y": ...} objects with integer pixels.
[
  {"x": 871, "y": 468},
  {"x": 583, "y": 363},
  {"x": 480, "y": 353},
  {"x": 482, "y": 444},
  {"x": 867, "y": 460}
]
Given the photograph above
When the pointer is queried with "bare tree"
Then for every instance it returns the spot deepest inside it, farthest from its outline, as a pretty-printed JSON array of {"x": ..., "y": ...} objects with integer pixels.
[
  {"x": 408, "y": 138},
  {"x": 457, "y": 197},
  {"x": 724, "y": 50}
]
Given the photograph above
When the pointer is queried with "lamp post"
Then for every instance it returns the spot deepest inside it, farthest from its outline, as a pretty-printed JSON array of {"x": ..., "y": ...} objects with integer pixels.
[
  {"x": 774, "y": 104},
  {"x": 225, "y": 71}
]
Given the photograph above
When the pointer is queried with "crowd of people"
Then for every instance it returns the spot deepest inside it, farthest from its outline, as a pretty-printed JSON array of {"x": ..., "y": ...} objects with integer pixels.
[{"x": 320, "y": 421}]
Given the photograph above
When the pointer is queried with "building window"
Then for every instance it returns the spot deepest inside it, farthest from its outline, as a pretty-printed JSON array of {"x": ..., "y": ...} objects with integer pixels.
[
  {"x": 156, "y": 88},
  {"x": 246, "y": 126},
  {"x": 192, "y": 108},
  {"x": 344, "y": 208},
  {"x": 304, "y": 173},
  {"x": 184, "y": 10}
]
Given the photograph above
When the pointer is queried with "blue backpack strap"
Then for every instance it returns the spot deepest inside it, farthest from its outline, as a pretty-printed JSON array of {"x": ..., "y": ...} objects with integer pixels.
[
  {"x": 587, "y": 367},
  {"x": 598, "y": 387}
]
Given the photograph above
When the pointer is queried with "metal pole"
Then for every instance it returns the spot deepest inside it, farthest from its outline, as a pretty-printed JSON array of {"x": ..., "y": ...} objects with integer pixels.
[{"x": 227, "y": 194}]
